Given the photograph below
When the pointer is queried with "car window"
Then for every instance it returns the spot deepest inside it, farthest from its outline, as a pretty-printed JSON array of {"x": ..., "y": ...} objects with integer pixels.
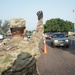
[{"x": 58, "y": 35}]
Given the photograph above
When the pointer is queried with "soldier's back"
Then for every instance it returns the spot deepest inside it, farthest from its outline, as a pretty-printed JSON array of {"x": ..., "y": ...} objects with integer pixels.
[{"x": 13, "y": 51}]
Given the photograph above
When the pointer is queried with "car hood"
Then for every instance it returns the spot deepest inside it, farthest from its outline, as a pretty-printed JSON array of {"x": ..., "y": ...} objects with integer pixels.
[{"x": 59, "y": 38}]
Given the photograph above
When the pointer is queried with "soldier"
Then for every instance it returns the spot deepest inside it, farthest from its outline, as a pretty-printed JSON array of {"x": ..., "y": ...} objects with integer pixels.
[{"x": 19, "y": 56}]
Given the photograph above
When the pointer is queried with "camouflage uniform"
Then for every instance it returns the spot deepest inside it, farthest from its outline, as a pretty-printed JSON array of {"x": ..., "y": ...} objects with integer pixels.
[{"x": 19, "y": 56}]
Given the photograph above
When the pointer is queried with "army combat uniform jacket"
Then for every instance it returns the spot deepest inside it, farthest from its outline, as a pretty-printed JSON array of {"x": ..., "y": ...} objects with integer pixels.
[{"x": 18, "y": 56}]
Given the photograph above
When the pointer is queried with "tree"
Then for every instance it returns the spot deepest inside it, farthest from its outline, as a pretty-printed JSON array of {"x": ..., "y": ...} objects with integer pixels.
[
  {"x": 5, "y": 26},
  {"x": 0, "y": 23},
  {"x": 57, "y": 25},
  {"x": 1, "y": 27}
]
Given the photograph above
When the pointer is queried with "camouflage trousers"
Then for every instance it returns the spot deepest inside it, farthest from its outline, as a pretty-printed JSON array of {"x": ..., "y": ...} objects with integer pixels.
[{"x": 27, "y": 71}]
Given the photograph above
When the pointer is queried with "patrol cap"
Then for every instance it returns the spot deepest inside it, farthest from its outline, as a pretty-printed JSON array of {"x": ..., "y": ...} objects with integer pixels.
[{"x": 17, "y": 22}]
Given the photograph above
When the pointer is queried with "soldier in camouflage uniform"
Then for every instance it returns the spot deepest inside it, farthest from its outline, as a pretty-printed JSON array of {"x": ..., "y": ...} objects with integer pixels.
[{"x": 19, "y": 56}]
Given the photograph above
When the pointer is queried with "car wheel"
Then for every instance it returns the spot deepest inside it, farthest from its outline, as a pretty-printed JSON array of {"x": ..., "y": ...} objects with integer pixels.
[{"x": 67, "y": 46}]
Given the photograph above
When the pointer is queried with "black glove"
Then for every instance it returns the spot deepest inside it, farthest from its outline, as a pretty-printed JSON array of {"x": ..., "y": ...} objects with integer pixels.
[{"x": 40, "y": 15}]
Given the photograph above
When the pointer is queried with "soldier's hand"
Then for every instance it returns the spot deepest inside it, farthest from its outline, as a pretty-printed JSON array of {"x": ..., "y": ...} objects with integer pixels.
[{"x": 40, "y": 15}]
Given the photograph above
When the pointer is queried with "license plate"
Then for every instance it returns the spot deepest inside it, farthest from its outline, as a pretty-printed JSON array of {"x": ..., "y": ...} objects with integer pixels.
[{"x": 61, "y": 44}]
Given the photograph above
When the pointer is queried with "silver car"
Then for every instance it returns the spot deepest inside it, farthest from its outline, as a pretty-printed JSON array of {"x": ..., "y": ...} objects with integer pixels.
[{"x": 59, "y": 39}]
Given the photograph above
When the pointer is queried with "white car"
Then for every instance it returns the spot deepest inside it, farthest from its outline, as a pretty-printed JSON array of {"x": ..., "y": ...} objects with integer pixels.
[{"x": 1, "y": 37}]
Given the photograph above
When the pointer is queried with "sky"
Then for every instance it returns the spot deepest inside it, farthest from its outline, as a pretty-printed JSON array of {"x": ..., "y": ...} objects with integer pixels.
[{"x": 27, "y": 9}]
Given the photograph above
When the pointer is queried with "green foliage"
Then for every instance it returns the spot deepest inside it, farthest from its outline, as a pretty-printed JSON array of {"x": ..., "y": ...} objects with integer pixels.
[
  {"x": 0, "y": 23},
  {"x": 58, "y": 25},
  {"x": 5, "y": 27},
  {"x": 1, "y": 31},
  {"x": 29, "y": 32}
]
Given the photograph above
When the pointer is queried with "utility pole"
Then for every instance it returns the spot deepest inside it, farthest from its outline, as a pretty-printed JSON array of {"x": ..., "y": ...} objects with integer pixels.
[{"x": 74, "y": 17}]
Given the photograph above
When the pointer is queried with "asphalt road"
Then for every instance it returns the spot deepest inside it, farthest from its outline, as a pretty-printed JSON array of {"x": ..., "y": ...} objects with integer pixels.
[{"x": 58, "y": 61}]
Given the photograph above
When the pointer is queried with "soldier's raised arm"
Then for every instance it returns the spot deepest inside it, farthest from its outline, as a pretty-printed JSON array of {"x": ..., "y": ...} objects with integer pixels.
[
  {"x": 37, "y": 36},
  {"x": 40, "y": 27},
  {"x": 39, "y": 30}
]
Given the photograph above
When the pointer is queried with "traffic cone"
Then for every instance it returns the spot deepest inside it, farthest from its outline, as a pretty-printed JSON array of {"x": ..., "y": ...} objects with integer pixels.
[{"x": 45, "y": 48}]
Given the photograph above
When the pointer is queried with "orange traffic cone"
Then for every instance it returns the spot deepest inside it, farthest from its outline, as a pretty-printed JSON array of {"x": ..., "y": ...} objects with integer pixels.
[{"x": 45, "y": 48}]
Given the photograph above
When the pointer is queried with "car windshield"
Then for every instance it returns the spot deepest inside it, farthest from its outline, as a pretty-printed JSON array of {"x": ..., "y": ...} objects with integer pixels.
[{"x": 58, "y": 35}]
